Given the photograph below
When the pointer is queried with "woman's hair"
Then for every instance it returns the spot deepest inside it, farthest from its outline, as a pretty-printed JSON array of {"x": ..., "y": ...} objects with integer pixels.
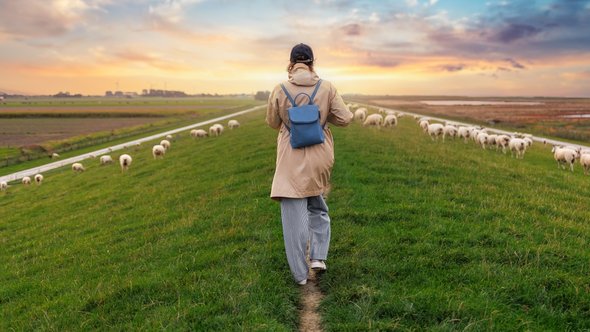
[{"x": 292, "y": 64}]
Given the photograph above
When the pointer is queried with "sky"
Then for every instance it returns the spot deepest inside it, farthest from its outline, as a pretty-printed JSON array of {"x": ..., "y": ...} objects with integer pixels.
[{"x": 403, "y": 47}]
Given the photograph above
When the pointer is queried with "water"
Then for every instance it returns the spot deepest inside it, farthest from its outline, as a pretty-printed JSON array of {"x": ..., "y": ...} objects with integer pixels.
[
  {"x": 476, "y": 102},
  {"x": 576, "y": 116}
]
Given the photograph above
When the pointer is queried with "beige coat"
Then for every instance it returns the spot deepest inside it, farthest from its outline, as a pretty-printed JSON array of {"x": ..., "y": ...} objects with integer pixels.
[{"x": 304, "y": 172}]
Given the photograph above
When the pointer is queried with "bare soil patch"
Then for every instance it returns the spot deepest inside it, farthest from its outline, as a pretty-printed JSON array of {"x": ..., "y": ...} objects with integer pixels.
[
  {"x": 310, "y": 320},
  {"x": 27, "y": 131}
]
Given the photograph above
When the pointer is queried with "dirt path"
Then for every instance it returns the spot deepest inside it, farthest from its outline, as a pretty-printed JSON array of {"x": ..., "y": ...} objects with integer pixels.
[{"x": 311, "y": 296}]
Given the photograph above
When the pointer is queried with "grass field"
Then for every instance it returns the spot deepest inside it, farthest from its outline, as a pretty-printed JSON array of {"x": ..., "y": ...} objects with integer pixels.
[
  {"x": 425, "y": 236},
  {"x": 34, "y": 132}
]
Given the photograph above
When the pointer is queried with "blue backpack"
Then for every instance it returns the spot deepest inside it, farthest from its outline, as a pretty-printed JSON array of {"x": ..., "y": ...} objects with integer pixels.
[{"x": 305, "y": 128}]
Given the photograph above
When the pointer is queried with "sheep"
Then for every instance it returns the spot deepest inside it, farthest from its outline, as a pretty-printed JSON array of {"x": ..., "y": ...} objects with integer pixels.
[
  {"x": 435, "y": 130},
  {"x": 400, "y": 115},
  {"x": 78, "y": 167},
  {"x": 373, "y": 120},
  {"x": 198, "y": 133},
  {"x": 381, "y": 110},
  {"x": 564, "y": 155},
  {"x": 54, "y": 156},
  {"x": 158, "y": 151},
  {"x": 216, "y": 130},
  {"x": 482, "y": 139},
  {"x": 424, "y": 125},
  {"x": 585, "y": 162},
  {"x": 528, "y": 140},
  {"x": 165, "y": 144},
  {"x": 26, "y": 180},
  {"x": 464, "y": 133},
  {"x": 169, "y": 137},
  {"x": 390, "y": 121},
  {"x": 233, "y": 124},
  {"x": 449, "y": 130},
  {"x": 3, "y": 186},
  {"x": 125, "y": 161},
  {"x": 360, "y": 114},
  {"x": 502, "y": 141},
  {"x": 517, "y": 147},
  {"x": 492, "y": 140},
  {"x": 38, "y": 179},
  {"x": 105, "y": 160}
]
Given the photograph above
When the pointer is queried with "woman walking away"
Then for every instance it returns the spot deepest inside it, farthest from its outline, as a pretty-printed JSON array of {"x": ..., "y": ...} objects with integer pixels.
[{"x": 305, "y": 156}]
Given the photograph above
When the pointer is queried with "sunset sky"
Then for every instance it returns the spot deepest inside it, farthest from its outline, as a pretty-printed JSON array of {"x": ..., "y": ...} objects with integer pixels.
[{"x": 418, "y": 47}]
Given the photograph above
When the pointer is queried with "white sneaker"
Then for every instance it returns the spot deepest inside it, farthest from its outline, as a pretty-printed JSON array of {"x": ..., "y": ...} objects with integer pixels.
[
  {"x": 318, "y": 265},
  {"x": 302, "y": 282}
]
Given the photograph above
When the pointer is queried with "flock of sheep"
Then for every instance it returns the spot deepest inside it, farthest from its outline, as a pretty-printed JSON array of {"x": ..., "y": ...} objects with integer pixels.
[
  {"x": 125, "y": 160},
  {"x": 517, "y": 143}
]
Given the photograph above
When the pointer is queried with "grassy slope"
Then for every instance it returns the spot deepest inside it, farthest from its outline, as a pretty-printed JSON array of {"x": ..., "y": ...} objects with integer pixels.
[
  {"x": 124, "y": 135},
  {"x": 451, "y": 237},
  {"x": 189, "y": 241},
  {"x": 425, "y": 236}
]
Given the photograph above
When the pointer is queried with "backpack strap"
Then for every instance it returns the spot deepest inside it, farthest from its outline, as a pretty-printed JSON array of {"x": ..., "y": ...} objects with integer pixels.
[
  {"x": 289, "y": 96},
  {"x": 317, "y": 86}
]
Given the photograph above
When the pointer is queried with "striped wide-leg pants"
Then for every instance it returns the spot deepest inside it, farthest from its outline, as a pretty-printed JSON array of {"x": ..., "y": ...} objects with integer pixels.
[{"x": 305, "y": 219}]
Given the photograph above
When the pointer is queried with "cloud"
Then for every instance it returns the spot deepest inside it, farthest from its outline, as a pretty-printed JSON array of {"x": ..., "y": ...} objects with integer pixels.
[
  {"x": 515, "y": 64},
  {"x": 352, "y": 29},
  {"x": 45, "y": 18},
  {"x": 412, "y": 3},
  {"x": 513, "y": 32},
  {"x": 453, "y": 68},
  {"x": 170, "y": 10}
]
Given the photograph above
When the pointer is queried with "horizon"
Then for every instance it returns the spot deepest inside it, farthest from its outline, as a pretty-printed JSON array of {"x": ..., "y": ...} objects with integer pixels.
[{"x": 399, "y": 48}]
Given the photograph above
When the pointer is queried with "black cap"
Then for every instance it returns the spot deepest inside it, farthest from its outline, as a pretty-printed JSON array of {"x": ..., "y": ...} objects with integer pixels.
[{"x": 301, "y": 53}]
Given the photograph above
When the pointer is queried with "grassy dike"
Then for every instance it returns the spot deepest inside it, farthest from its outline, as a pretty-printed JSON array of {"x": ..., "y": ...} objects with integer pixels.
[
  {"x": 446, "y": 237},
  {"x": 425, "y": 236}
]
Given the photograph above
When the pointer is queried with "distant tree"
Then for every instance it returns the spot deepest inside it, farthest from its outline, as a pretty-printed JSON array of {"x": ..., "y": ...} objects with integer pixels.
[
  {"x": 108, "y": 93},
  {"x": 262, "y": 95}
]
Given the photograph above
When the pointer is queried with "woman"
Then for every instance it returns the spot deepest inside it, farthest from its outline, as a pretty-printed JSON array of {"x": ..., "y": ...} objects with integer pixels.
[{"x": 302, "y": 175}]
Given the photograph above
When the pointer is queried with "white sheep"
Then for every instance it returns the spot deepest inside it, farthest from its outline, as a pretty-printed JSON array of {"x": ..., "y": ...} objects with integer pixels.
[
  {"x": 169, "y": 137},
  {"x": 435, "y": 130},
  {"x": 529, "y": 141},
  {"x": 158, "y": 151},
  {"x": 585, "y": 162},
  {"x": 424, "y": 125},
  {"x": 198, "y": 133},
  {"x": 517, "y": 147},
  {"x": 3, "y": 186},
  {"x": 449, "y": 130},
  {"x": 400, "y": 115},
  {"x": 564, "y": 155},
  {"x": 381, "y": 110},
  {"x": 464, "y": 133},
  {"x": 373, "y": 120},
  {"x": 54, "y": 155},
  {"x": 38, "y": 179},
  {"x": 216, "y": 130},
  {"x": 78, "y": 167},
  {"x": 360, "y": 114},
  {"x": 165, "y": 144},
  {"x": 233, "y": 124},
  {"x": 502, "y": 142},
  {"x": 390, "y": 121},
  {"x": 492, "y": 140},
  {"x": 125, "y": 161},
  {"x": 482, "y": 139},
  {"x": 26, "y": 180},
  {"x": 106, "y": 159}
]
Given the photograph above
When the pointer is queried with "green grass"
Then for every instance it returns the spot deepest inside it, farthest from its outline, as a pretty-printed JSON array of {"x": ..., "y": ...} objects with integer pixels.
[
  {"x": 425, "y": 236},
  {"x": 86, "y": 143}
]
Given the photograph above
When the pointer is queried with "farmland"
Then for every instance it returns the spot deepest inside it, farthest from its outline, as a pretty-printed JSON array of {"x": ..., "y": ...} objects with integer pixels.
[
  {"x": 565, "y": 118},
  {"x": 35, "y": 127},
  {"x": 425, "y": 236}
]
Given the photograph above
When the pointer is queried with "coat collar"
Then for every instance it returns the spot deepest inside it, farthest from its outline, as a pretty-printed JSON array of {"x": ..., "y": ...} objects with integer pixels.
[{"x": 301, "y": 75}]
